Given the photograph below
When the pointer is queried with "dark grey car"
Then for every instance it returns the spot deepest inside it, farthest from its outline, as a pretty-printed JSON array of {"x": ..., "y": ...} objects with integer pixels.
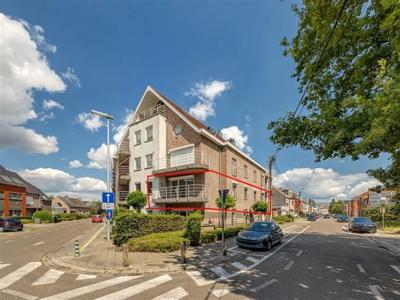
[
  {"x": 10, "y": 224},
  {"x": 362, "y": 224},
  {"x": 261, "y": 235}
]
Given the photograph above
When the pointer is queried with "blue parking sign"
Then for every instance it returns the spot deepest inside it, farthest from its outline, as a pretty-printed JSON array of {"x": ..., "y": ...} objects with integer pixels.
[{"x": 109, "y": 214}]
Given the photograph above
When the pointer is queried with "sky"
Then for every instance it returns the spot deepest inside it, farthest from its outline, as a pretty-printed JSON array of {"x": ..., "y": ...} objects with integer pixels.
[{"x": 219, "y": 60}]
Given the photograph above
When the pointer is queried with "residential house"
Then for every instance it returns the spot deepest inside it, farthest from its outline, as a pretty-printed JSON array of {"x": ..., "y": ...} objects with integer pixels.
[
  {"x": 19, "y": 197},
  {"x": 69, "y": 205},
  {"x": 369, "y": 199},
  {"x": 280, "y": 202},
  {"x": 185, "y": 161}
]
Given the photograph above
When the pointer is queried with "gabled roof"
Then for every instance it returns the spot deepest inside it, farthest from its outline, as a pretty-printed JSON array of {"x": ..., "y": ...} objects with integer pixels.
[
  {"x": 17, "y": 180},
  {"x": 73, "y": 202},
  {"x": 197, "y": 125}
]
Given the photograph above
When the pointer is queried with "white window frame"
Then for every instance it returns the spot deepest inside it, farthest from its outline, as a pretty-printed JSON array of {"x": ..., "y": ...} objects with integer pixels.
[
  {"x": 147, "y": 166},
  {"x": 136, "y": 165},
  {"x": 146, "y": 133},
  {"x": 138, "y": 142}
]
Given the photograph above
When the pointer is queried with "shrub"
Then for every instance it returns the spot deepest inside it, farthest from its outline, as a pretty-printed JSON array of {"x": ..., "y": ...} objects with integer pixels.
[
  {"x": 137, "y": 200},
  {"x": 130, "y": 225},
  {"x": 193, "y": 228},
  {"x": 43, "y": 215},
  {"x": 260, "y": 206},
  {"x": 157, "y": 242},
  {"x": 291, "y": 217},
  {"x": 208, "y": 237}
]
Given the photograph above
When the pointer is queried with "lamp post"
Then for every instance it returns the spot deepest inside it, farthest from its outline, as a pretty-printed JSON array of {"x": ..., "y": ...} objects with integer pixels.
[
  {"x": 108, "y": 118},
  {"x": 383, "y": 211}
]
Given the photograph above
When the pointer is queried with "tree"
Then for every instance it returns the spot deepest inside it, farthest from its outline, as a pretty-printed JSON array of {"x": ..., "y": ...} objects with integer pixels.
[
  {"x": 336, "y": 207},
  {"x": 230, "y": 202},
  {"x": 260, "y": 206},
  {"x": 137, "y": 200},
  {"x": 351, "y": 92}
]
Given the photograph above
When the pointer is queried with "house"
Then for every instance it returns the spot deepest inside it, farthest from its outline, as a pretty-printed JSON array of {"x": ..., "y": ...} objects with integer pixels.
[
  {"x": 69, "y": 205},
  {"x": 369, "y": 199},
  {"x": 185, "y": 161},
  {"x": 280, "y": 202},
  {"x": 19, "y": 197}
]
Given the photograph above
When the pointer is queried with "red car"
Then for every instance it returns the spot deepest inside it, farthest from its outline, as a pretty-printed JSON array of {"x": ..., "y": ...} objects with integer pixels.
[{"x": 97, "y": 219}]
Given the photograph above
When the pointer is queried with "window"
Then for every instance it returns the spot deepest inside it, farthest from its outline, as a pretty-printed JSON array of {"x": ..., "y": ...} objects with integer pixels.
[
  {"x": 255, "y": 176},
  {"x": 255, "y": 195},
  {"x": 138, "y": 164},
  {"x": 177, "y": 130},
  {"x": 149, "y": 160},
  {"x": 149, "y": 133},
  {"x": 234, "y": 167},
  {"x": 1, "y": 195},
  {"x": 151, "y": 187},
  {"x": 245, "y": 172},
  {"x": 234, "y": 190},
  {"x": 245, "y": 193},
  {"x": 138, "y": 137},
  {"x": 138, "y": 186},
  {"x": 15, "y": 196}
]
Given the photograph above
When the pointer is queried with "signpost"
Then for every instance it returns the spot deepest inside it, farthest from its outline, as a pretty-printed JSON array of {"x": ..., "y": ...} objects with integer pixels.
[
  {"x": 223, "y": 194},
  {"x": 383, "y": 211},
  {"x": 107, "y": 200}
]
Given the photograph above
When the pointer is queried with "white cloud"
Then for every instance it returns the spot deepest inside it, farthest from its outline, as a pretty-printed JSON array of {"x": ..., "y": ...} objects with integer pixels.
[
  {"x": 90, "y": 121},
  {"x": 98, "y": 157},
  {"x": 58, "y": 182},
  {"x": 24, "y": 68},
  {"x": 75, "y": 164},
  {"x": 248, "y": 120},
  {"x": 239, "y": 138},
  {"x": 206, "y": 93},
  {"x": 120, "y": 129},
  {"x": 50, "y": 104},
  {"x": 43, "y": 116},
  {"x": 324, "y": 184},
  {"x": 71, "y": 76}
]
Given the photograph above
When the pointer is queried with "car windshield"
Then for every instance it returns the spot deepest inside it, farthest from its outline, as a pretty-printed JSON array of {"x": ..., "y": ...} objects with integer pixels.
[
  {"x": 362, "y": 220},
  {"x": 258, "y": 226}
]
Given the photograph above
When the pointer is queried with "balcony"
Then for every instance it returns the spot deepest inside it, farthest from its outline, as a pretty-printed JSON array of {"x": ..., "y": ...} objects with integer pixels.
[
  {"x": 150, "y": 112},
  {"x": 122, "y": 196},
  {"x": 182, "y": 162},
  {"x": 190, "y": 193}
]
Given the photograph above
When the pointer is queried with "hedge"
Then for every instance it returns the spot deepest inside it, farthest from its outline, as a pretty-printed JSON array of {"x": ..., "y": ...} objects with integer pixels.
[
  {"x": 130, "y": 225},
  {"x": 214, "y": 235},
  {"x": 283, "y": 219},
  {"x": 157, "y": 242},
  {"x": 43, "y": 215},
  {"x": 193, "y": 228}
]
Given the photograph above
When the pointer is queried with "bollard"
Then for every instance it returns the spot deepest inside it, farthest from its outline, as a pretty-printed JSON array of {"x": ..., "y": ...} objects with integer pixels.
[
  {"x": 77, "y": 251},
  {"x": 183, "y": 252},
  {"x": 125, "y": 256}
]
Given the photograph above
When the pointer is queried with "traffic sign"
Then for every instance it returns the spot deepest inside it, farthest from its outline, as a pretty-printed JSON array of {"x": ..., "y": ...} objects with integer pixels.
[
  {"x": 109, "y": 214},
  {"x": 107, "y": 205},
  {"x": 107, "y": 197}
]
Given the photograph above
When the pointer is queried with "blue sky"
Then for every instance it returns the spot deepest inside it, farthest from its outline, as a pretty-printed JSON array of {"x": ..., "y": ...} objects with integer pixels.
[{"x": 116, "y": 48}]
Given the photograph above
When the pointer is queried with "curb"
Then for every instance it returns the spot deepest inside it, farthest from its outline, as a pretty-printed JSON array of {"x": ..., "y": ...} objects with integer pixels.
[{"x": 386, "y": 246}]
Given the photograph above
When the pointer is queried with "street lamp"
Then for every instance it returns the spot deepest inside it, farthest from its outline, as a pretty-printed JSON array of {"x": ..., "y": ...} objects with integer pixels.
[
  {"x": 108, "y": 117},
  {"x": 383, "y": 211}
]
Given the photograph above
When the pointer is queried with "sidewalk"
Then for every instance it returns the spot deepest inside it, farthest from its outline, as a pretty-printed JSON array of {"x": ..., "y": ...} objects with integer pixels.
[{"x": 98, "y": 255}]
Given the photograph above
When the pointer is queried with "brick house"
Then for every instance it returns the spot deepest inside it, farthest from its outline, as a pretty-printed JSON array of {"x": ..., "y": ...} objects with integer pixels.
[
  {"x": 69, "y": 205},
  {"x": 369, "y": 199},
  {"x": 180, "y": 155},
  {"x": 19, "y": 197}
]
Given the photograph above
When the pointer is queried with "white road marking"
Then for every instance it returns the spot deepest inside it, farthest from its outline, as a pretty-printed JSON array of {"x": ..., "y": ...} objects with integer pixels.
[
  {"x": 289, "y": 265},
  {"x": 136, "y": 289},
  {"x": 360, "y": 268},
  {"x": 375, "y": 291},
  {"x": 221, "y": 292},
  {"x": 198, "y": 278},
  {"x": 221, "y": 272},
  {"x": 85, "y": 276},
  {"x": 3, "y": 266},
  {"x": 264, "y": 285},
  {"x": 11, "y": 278},
  {"x": 252, "y": 259},
  {"x": 175, "y": 294},
  {"x": 299, "y": 253},
  {"x": 238, "y": 265},
  {"x": 396, "y": 268},
  {"x": 90, "y": 288},
  {"x": 10, "y": 241},
  {"x": 19, "y": 294},
  {"x": 303, "y": 285},
  {"x": 50, "y": 276},
  {"x": 38, "y": 243}
]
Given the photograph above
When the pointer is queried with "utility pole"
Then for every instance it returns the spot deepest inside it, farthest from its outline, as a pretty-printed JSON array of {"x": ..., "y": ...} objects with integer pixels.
[{"x": 271, "y": 160}]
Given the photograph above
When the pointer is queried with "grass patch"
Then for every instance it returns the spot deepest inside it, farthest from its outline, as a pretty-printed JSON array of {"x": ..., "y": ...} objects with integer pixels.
[
  {"x": 391, "y": 226},
  {"x": 157, "y": 242}
]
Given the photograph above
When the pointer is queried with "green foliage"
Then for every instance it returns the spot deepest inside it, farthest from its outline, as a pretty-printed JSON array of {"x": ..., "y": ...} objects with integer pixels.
[
  {"x": 213, "y": 235},
  {"x": 283, "y": 219},
  {"x": 208, "y": 237},
  {"x": 230, "y": 202},
  {"x": 375, "y": 214},
  {"x": 260, "y": 206},
  {"x": 43, "y": 215},
  {"x": 352, "y": 96},
  {"x": 96, "y": 208},
  {"x": 130, "y": 225},
  {"x": 157, "y": 242},
  {"x": 336, "y": 207},
  {"x": 193, "y": 228},
  {"x": 137, "y": 200}
]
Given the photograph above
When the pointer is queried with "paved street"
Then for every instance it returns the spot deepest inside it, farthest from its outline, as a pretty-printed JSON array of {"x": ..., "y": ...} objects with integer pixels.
[{"x": 317, "y": 261}]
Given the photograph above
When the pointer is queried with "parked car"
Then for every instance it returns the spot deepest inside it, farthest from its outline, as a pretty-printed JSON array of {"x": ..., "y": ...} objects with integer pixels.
[
  {"x": 362, "y": 224},
  {"x": 11, "y": 224},
  {"x": 342, "y": 219},
  {"x": 327, "y": 216},
  {"x": 97, "y": 219},
  {"x": 261, "y": 235},
  {"x": 312, "y": 218}
]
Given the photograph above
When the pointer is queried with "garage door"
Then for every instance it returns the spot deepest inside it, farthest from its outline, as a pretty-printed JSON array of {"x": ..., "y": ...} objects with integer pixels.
[{"x": 181, "y": 157}]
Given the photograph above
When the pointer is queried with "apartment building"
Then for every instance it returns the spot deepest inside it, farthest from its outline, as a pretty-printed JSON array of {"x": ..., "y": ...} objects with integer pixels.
[
  {"x": 369, "y": 199},
  {"x": 181, "y": 156},
  {"x": 280, "y": 202}
]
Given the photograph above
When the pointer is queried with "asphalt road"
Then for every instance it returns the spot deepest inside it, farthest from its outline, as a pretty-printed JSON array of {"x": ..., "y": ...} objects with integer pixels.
[{"x": 318, "y": 261}]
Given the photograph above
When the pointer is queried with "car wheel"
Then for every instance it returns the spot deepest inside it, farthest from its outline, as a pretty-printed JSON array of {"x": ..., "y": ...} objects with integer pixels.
[
  {"x": 269, "y": 245},
  {"x": 281, "y": 240}
]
